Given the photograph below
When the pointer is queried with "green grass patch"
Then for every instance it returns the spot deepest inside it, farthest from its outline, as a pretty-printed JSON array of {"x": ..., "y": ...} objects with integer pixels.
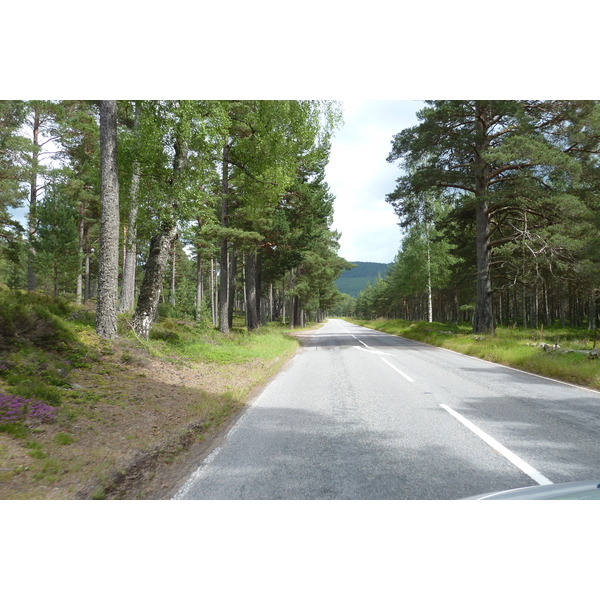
[
  {"x": 510, "y": 346},
  {"x": 63, "y": 439},
  {"x": 170, "y": 338}
]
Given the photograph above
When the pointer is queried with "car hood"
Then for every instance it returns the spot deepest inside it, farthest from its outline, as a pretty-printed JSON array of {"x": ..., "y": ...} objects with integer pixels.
[{"x": 577, "y": 490}]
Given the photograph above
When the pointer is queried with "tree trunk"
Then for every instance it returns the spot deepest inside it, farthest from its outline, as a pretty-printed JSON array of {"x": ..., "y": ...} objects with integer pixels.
[
  {"x": 173, "y": 273},
  {"x": 224, "y": 278},
  {"x": 213, "y": 293},
  {"x": 483, "y": 319},
  {"x": 259, "y": 286},
  {"x": 31, "y": 219},
  {"x": 87, "y": 294},
  {"x": 232, "y": 284},
  {"x": 292, "y": 301},
  {"x": 251, "y": 312},
  {"x": 158, "y": 257},
  {"x": 130, "y": 260},
  {"x": 199, "y": 286},
  {"x": 108, "y": 265},
  {"x": 592, "y": 310},
  {"x": 429, "y": 293},
  {"x": 80, "y": 254},
  {"x": 129, "y": 264}
]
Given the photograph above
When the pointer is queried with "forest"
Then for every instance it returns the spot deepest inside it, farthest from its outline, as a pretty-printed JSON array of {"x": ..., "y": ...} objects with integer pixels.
[
  {"x": 190, "y": 209},
  {"x": 499, "y": 203}
]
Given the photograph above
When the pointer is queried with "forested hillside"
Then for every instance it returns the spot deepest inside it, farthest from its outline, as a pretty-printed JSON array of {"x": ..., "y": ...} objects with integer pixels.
[
  {"x": 197, "y": 209},
  {"x": 355, "y": 280},
  {"x": 499, "y": 202}
]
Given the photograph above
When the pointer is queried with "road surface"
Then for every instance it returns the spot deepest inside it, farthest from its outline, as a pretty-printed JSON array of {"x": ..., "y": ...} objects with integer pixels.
[{"x": 361, "y": 414}]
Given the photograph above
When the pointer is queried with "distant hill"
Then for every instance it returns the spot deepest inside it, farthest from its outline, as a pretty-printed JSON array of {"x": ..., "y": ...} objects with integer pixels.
[{"x": 355, "y": 280}]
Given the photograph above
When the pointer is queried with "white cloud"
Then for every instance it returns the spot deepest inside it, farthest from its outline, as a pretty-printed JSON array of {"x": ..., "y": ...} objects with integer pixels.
[{"x": 360, "y": 177}]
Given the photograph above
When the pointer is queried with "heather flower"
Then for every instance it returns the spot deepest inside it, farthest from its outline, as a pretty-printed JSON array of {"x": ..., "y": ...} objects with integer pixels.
[{"x": 14, "y": 409}]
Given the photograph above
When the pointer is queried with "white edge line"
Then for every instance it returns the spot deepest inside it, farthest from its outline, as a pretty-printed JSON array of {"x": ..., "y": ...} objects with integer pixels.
[
  {"x": 510, "y": 456},
  {"x": 397, "y": 370}
]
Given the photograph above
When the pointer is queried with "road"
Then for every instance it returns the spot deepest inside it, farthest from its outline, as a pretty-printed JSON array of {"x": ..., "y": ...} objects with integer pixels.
[{"x": 361, "y": 414}]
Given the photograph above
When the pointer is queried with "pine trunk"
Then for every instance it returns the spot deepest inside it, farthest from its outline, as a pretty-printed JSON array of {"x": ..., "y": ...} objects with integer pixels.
[
  {"x": 213, "y": 294},
  {"x": 224, "y": 275},
  {"x": 80, "y": 254},
  {"x": 199, "y": 286},
  {"x": 483, "y": 319},
  {"x": 108, "y": 265},
  {"x": 32, "y": 218},
  {"x": 129, "y": 264},
  {"x": 251, "y": 312},
  {"x": 232, "y": 284}
]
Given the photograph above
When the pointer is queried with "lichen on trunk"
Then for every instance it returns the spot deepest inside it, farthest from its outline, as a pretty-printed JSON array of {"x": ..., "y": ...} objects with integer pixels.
[{"x": 149, "y": 298}]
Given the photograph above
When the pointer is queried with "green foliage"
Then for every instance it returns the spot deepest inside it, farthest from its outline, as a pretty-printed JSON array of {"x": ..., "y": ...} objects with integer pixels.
[
  {"x": 523, "y": 172},
  {"x": 12, "y": 166}
]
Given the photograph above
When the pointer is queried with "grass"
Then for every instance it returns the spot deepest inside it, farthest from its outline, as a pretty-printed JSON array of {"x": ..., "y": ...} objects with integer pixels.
[
  {"x": 116, "y": 399},
  {"x": 173, "y": 339},
  {"x": 510, "y": 346}
]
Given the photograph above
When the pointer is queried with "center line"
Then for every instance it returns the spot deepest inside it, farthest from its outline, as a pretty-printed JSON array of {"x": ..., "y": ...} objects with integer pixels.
[
  {"x": 387, "y": 362},
  {"x": 359, "y": 340},
  {"x": 510, "y": 456}
]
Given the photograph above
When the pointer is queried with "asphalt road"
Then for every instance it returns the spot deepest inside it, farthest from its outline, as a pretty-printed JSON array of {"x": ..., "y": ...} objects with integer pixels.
[{"x": 360, "y": 414}]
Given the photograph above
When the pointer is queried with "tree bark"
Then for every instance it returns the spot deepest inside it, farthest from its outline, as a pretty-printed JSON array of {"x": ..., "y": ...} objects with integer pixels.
[
  {"x": 199, "y": 286},
  {"x": 213, "y": 294},
  {"x": 483, "y": 319},
  {"x": 87, "y": 274},
  {"x": 158, "y": 256},
  {"x": 31, "y": 219},
  {"x": 80, "y": 254},
  {"x": 224, "y": 278},
  {"x": 130, "y": 261},
  {"x": 173, "y": 273},
  {"x": 251, "y": 312},
  {"x": 129, "y": 264},
  {"x": 108, "y": 266},
  {"x": 232, "y": 272}
]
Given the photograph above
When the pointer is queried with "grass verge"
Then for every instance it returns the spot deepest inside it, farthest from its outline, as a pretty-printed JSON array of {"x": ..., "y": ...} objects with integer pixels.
[
  {"x": 519, "y": 348},
  {"x": 125, "y": 408}
]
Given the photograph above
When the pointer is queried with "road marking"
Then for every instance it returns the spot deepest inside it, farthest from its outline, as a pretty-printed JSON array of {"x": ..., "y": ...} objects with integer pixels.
[
  {"x": 359, "y": 341},
  {"x": 397, "y": 370},
  {"x": 373, "y": 351},
  {"x": 489, "y": 362},
  {"x": 510, "y": 456}
]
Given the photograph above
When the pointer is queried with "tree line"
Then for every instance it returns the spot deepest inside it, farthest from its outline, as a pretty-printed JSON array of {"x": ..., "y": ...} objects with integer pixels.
[
  {"x": 499, "y": 202},
  {"x": 203, "y": 209}
]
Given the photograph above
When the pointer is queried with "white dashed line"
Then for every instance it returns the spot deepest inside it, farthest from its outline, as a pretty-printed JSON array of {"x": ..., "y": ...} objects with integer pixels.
[
  {"x": 397, "y": 370},
  {"x": 510, "y": 456}
]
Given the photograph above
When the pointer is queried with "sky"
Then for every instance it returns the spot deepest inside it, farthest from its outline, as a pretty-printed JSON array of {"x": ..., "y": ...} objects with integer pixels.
[{"x": 359, "y": 177}]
